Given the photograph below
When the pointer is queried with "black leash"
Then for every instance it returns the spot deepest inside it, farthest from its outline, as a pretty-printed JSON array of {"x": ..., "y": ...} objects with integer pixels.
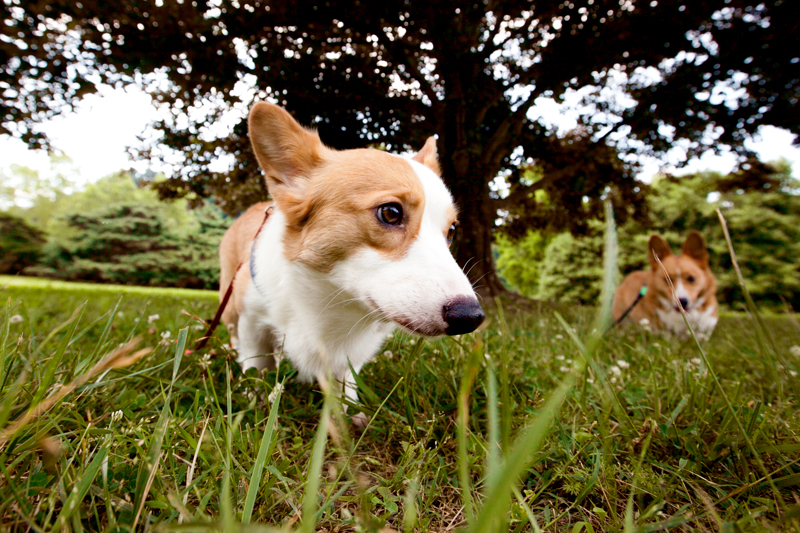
[{"x": 641, "y": 294}]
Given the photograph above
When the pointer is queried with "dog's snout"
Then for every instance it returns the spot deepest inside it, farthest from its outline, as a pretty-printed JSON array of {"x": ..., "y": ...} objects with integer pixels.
[
  {"x": 462, "y": 315},
  {"x": 684, "y": 302}
]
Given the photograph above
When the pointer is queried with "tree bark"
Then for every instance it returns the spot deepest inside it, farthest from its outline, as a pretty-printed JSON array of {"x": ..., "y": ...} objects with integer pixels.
[{"x": 473, "y": 244}]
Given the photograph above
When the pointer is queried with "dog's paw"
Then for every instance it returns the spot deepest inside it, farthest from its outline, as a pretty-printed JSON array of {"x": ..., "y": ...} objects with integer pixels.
[{"x": 360, "y": 421}]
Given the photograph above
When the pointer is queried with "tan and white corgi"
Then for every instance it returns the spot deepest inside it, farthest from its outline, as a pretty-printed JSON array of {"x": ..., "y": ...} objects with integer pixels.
[
  {"x": 691, "y": 279},
  {"x": 357, "y": 244}
]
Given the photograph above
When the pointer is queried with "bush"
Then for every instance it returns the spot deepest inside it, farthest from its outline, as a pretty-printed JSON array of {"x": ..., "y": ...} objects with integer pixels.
[
  {"x": 20, "y": 244},
  {"x": 133, "y": 244}
]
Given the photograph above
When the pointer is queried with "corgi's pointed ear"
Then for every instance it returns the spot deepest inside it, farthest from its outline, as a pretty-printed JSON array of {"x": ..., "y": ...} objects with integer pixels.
[
  {"x": 428, "y": 156},
  {"x": 695, "y": 247},
  {"x": 657, "y": 248},
  {"x": 286, "y": 151}
]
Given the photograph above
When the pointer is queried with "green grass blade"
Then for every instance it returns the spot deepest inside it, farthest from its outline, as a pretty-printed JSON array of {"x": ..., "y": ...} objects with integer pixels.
[
  {"x": 10, "y": 399},
  {"x": 264, "y": 450},
  {"x": 493, "y": 446},
  {"x": 314, "y": 474},
  {"x": 521, "y": 455},
  {"x": 72, "y": 503},
  {"x": 462, "y": 423},
  {"x": 52, "y": 365}
]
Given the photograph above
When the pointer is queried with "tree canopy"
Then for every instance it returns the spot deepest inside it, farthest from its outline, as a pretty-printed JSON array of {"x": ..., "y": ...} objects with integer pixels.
[{"x": 650, "y": 76}]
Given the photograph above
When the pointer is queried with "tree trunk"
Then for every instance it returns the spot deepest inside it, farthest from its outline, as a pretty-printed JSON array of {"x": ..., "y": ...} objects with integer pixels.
[{"x": 473, "y": 243}]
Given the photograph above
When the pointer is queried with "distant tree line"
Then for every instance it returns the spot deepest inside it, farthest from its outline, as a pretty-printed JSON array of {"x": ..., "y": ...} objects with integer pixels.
[
  {"x": 762, "y": 209},
  {"x": 114, "y": 232}
]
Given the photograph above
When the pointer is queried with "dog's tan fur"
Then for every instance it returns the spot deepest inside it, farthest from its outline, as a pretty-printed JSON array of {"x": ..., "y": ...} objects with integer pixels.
[{"x": 233, "y": 251}]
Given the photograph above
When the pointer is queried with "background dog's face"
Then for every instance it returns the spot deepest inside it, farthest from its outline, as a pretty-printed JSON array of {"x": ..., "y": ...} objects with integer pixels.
[
  {"x": 377, "y": 225},
  {"x": 687, "y": 273}
]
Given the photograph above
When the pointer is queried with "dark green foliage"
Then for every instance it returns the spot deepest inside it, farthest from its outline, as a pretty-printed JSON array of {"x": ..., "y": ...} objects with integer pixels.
[
  {"x": 20, "y": 244},
  {"x": 132, "y": 244},
  {"x": 571, "y": 271},
  {"x": 519, "y": 261},
  {"x": 763, "y": 217},
  {"x": 395, "y": 72}
]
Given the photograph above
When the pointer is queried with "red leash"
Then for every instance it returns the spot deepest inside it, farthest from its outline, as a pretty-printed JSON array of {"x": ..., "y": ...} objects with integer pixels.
[{"x": 202, "y": 341}]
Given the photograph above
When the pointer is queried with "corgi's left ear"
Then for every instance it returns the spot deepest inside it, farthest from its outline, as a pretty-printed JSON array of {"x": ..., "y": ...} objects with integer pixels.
[
  {"x": 695, "y": 247},
  {"x": 428, "y": 156}
]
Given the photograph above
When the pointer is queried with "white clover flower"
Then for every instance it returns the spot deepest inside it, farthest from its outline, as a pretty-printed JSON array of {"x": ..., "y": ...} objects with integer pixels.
[
  {"x": 165, "y": 336},
  {"x": 559, "y": 358},
  {"x": 436, "y": 352},
  {"x": 696, "y": 361},
  {"x": 274, "y": 394},
  {"x": 116, "y": 416},
  {"x": 623, "y": 364},
  {"x": 613, "y": 380},
  {"x": 589, "y": 380},
  {"x": 412, "y": 342},
  {"x": 152, "y": 318},
  {"x": 388, "y": 354},
  {"x": 205, "y": 361},
  {"x": 120, "y": 314},
  {"x": 795, "y": 351},
  {"x": 16, "y": 319},
  {"x": 564, "y": 368},
  {"x": 615, "y": 370},
  {"x": 644, "y": 322}
]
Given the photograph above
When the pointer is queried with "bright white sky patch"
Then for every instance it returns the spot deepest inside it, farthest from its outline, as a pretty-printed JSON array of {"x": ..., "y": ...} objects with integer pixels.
[{"x": 95, "y": 135}]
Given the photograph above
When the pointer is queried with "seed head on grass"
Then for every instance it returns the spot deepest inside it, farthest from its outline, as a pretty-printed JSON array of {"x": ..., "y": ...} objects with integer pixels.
[{"x": 121, "y": 357}]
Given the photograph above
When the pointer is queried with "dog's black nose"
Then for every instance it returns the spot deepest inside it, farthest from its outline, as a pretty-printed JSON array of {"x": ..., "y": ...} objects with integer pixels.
[
  {"x": 462, "y": 315},
  {"x": 684, "y": 302}
]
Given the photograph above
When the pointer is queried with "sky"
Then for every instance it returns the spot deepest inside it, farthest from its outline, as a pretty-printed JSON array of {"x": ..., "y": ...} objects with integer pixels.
[{"x": 95, "y": 136}]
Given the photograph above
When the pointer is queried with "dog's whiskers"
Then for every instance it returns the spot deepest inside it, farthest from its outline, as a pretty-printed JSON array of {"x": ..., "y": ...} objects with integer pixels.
[{"x": 470, "y": 268}]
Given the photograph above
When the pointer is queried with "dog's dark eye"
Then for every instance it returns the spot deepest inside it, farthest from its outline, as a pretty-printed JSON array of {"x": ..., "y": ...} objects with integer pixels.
[
  {"x": 390, "y": 214},
  {"x": 690, "y": 279},
  {"x": 451, "y": 233}
]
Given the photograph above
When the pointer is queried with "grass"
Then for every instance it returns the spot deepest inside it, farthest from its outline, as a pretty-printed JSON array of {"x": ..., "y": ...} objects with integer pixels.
[{"x": 531, "y": 424}]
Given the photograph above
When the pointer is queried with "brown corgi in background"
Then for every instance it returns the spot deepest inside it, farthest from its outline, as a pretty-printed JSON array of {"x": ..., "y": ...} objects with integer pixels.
[{"x": 693, "y": 288}]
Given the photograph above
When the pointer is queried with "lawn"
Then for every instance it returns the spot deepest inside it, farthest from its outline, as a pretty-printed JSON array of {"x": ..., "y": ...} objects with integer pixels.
[{"x": 507, "y": 429}]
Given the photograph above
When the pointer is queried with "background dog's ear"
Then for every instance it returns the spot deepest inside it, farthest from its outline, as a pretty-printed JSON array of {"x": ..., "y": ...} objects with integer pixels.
[
  {"x": 657, "y": 247},
  {"x": 428, "y": 156},
  {"x": 286, "y": 151},
  {"x": 695, "y": 247}
]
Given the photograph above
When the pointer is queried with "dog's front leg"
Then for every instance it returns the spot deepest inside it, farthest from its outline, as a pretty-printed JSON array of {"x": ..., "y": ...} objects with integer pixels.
[
  {"x": 348, "y": 385},
  {"x": 345, "y": 387},
  {"x": 256, "y": 344}
]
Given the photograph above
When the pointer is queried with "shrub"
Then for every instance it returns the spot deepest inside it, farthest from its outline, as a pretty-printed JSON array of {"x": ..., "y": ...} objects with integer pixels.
[{"x": 20, "y": 244}]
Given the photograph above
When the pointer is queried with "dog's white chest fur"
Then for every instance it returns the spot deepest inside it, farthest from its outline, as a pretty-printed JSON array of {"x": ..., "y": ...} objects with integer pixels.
[
  {"x": 319, "y": 325},
  {"x": 702, "y": 322}
]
